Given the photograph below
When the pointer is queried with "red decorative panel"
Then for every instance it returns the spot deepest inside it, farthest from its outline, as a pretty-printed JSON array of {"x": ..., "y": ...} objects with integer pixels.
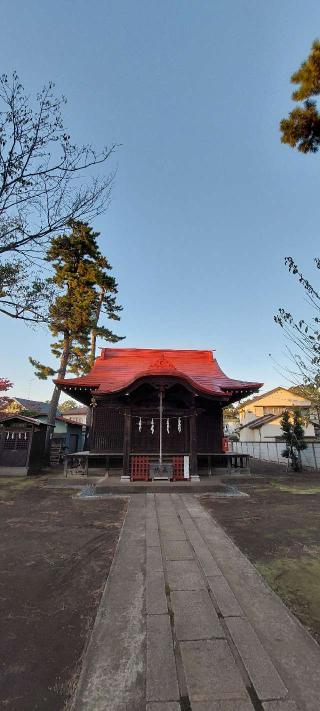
[
  {"x": 225, "y": 444},
  {"x": 177, "y": 463},
  {"x": 139, "y": 468}
]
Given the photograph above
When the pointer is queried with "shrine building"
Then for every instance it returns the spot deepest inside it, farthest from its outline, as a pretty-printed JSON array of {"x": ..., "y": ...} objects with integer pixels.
[{"x": 157, "y": 413}]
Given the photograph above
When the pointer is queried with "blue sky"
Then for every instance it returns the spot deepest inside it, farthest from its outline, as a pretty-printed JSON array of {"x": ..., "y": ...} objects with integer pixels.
[{"x": 207, "y": 202}]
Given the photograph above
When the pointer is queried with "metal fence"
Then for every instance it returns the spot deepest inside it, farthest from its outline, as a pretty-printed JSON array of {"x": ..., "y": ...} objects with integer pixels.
[{"x": 271, "y": 452}]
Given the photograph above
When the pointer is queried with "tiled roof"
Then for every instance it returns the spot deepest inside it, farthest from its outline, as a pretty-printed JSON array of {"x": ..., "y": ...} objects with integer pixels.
[
  {"x": 75, "y": 411},
  {"x": 33, "y": 405},
  {"x": 117, "y": 368},
  {"x": 260, "y": 421},
  {"x": 23, "y": 418}
]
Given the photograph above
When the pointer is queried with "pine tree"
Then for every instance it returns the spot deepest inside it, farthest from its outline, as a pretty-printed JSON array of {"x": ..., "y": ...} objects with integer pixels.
[
  {"x": 79, "y": 270},
  {"x": 293, "y": 433},
  {"x": 301, "y": 129},
  {"x": 68, "y": 405}
]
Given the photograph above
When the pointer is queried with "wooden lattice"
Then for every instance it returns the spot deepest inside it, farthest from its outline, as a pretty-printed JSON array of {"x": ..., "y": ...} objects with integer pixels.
[
  {"x": 177, "y": 463},
  {"x": 139, "y": 468}
]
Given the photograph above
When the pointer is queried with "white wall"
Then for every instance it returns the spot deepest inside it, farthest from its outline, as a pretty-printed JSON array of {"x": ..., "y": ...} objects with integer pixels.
[
  {"x": 269, "y": 431},
  {"x": 271, "y": 452}
]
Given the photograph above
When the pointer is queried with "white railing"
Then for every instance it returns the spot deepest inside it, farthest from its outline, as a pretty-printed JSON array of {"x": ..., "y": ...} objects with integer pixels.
[{"x": 271, "y": 452}]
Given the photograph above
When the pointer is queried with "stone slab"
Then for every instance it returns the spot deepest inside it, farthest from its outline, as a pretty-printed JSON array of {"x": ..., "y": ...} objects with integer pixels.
[
  {"x": 194, "y": 615},
  {"x": 154, "y": 559},
  {"x": 172, "y": 533},
  {"x": 226, "y": 600},
  {"x": 223, "y": 706},
  {"x": 184, "y": 575},
  {"x": 203, "y": 553},
  {"x": 265, "y": 678},
  {"x": 114, "y": 663},
  {"x": 211, "y": 672},
  {"x": 163, "y": 706},
  {"x": 152, "y": 536},
  {"x": 162, "y": 684},
  {"x": 177, "y": 550},
  {"x": 156, "y": 600},
  {"x": 280, "y": 706}
]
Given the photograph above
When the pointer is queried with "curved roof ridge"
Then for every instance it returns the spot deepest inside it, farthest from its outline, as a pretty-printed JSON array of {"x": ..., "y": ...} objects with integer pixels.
[{"x": 118, "y": 368}]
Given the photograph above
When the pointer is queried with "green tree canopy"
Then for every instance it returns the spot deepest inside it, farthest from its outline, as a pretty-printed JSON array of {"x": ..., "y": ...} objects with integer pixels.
[
  {"x": 301, "y": 129},
  {"x": 68, "y": 405},
  {"x": 80, "y": 271},
  {"x": 293, "y": 434}
]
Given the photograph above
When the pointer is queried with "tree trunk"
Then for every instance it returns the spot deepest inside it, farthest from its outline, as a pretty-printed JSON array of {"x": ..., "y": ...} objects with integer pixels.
[
  {"x": 94, "y": 330},
  {"x": 56, "y": 395}
]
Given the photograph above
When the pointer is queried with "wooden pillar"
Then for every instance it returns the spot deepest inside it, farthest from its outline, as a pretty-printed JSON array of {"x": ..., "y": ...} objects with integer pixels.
[
  {"x": 193, "y": 444},
  {"x": 126, "y": 442},
  {"x": 92, "y": 426}
]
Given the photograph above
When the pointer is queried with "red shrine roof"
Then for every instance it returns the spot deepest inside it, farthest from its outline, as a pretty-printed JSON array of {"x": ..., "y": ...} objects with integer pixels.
[{"x": 118, "y": 368}]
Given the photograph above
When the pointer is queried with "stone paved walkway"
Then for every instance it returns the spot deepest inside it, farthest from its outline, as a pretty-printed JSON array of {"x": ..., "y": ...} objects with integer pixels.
[{"x": 187, "y": 624}]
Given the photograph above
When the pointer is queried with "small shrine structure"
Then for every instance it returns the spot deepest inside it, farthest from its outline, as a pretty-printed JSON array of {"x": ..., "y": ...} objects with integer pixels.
[
  {"x": 22, "y": 446},
  {"x": 156, "y": 410}
]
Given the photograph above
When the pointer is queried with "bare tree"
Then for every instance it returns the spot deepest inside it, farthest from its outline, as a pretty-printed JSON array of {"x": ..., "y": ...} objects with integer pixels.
[
  {"x": 303, "y": 337},
  {"x": 45, "y": 181}
]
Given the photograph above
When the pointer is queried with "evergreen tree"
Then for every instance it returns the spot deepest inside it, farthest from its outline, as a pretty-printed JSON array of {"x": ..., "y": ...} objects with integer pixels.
[
  {"x": 301, "y": 129},
  {"x": 79, "y": 270},
  {"x": 293, "y": 434},
  {"x": 68, "y": 405}
]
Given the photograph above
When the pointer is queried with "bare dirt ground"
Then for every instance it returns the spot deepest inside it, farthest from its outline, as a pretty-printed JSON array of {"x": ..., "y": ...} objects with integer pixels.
[
  {"x": 278, "y": 528},
  {"x": 55, "y": 555}
]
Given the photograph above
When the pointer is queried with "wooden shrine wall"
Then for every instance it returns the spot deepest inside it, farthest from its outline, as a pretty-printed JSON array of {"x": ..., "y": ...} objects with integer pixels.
[
  {"x": 107, "y": 430},
  {"x": 173, "y": 442},
  {"x": 209, "y": 432}
]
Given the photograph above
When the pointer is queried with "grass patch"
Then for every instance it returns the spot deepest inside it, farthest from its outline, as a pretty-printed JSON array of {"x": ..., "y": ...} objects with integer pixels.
[
  {"x": 296, "y": 489},
  {"x": 11, "y": 486},
  {"x": 302, "y": 532},
  {"x": 297, "y": 582}
]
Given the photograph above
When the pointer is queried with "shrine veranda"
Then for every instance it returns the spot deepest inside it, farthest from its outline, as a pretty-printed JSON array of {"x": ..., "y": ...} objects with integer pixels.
[{"x": 157, "y": 413}]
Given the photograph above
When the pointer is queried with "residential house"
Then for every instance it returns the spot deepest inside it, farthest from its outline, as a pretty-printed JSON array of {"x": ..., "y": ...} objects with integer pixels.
[
  {"x": 68, "y": 437},
  {"x": 77, "y": 414},
  {"x": 260, "y": 417},
  {"x": 21, "y": 404}
]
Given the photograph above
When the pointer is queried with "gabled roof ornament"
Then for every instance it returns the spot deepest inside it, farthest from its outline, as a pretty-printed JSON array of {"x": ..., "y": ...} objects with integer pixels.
[{"x": 162, "y": 363}]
